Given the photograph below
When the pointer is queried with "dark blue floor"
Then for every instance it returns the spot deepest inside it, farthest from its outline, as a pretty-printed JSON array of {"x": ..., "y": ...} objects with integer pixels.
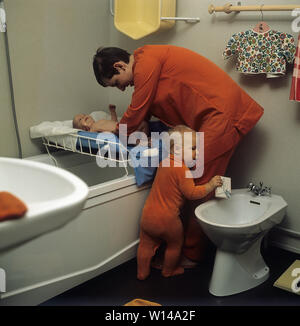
[{"x": 120, "y": 285}]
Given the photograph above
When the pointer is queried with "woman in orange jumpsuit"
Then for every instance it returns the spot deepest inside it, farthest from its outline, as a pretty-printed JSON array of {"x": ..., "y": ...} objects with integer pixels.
[{"x": 181, "y": 87}]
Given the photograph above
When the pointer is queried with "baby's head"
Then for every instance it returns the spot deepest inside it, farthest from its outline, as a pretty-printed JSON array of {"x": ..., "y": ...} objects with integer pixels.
[
  {"x": 183, "y": 142},
  {"x": 83, "y": 121}
]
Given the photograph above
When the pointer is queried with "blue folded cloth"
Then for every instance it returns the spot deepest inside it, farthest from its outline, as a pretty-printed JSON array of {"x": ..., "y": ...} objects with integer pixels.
[
  {"x": 144, "y": 166},
  {"x": 99, "y": 140}
]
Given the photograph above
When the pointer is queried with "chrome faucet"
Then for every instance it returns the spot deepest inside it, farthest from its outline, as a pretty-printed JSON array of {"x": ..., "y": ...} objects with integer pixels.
[{"x": 259, "y": 190}]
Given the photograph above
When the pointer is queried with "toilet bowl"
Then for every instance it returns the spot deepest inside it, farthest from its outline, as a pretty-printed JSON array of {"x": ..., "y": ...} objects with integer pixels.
[{"x": 237, "y": 226}]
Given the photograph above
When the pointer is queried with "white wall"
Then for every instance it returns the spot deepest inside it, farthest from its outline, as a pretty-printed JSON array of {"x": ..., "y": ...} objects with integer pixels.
[{"x": 51, "y": 45}]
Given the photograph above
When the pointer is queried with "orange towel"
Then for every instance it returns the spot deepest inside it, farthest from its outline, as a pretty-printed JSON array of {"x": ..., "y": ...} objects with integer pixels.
[
  {"x": 141, "y": 302},
  {"x": 10, "y": 206}
]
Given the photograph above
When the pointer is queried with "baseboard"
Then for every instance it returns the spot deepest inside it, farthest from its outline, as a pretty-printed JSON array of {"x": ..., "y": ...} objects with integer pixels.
[{"x": 285, "y": 239}]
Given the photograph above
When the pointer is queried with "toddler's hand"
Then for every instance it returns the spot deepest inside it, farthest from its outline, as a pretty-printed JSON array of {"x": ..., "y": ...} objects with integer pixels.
[{"x": 216, "y": 181}]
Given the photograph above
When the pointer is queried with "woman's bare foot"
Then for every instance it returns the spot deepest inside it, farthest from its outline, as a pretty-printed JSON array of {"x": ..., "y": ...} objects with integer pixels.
[
  {"x": 187, "y": 263},
  {"x": 157, "y": 262},
  {"x": 177, "y": 271}
]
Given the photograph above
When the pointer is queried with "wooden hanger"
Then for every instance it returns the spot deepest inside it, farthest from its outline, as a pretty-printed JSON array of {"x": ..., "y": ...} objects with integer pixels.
[{"x": 262, "y": 26}]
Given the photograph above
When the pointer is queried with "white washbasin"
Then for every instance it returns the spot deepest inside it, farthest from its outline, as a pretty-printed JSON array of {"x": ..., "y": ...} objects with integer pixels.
[{"x": 53, "y": 197}]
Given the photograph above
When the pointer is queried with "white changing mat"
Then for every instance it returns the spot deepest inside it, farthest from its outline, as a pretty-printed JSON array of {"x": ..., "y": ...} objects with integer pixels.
[{"x": 52, "y": 128}]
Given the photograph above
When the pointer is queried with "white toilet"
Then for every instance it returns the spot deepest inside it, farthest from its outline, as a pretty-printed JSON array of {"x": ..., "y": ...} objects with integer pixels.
[{"x": 237, "y": 226}]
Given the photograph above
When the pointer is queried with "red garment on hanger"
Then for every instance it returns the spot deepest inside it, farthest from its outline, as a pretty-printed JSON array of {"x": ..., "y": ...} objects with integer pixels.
[{"x": 295, "y": 86}]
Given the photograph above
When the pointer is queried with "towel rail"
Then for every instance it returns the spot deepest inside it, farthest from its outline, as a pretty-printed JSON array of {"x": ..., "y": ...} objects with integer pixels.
[{"x": 229, "y": 8}]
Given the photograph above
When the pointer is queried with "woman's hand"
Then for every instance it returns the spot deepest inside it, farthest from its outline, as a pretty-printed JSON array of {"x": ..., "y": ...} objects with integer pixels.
[{"x": 144, "y": 127}]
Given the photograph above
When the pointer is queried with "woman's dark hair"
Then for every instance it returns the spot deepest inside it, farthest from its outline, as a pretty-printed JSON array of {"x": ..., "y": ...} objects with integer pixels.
[{"x": 104, "y": 60}]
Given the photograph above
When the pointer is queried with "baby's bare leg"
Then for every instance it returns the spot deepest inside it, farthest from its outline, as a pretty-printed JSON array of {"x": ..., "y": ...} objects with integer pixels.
[{"x": 113, "y": 115}]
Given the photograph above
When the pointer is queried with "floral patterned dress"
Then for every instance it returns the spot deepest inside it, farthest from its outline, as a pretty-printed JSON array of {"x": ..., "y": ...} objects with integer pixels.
[{"x": 261, "y": 53}]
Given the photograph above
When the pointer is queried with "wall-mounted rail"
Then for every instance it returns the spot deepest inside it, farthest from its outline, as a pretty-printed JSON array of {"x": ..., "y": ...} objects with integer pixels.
[{"x": 229, "y": 8}]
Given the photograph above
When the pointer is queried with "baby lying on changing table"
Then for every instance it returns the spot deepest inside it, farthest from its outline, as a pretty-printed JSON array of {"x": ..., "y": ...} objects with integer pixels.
[{"x": 87, "y": 123}]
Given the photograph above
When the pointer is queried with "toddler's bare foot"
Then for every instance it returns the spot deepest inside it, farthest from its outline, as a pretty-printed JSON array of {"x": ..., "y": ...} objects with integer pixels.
[{"x": 141, "y": 276}]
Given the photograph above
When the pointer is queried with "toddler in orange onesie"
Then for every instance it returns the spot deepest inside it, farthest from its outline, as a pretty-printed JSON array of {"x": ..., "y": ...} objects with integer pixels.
[{"x": 160, "y": 220}]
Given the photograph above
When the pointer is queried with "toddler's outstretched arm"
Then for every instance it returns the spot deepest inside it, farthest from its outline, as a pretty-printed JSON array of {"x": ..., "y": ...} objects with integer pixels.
[{"x": 193, "y": 192}]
